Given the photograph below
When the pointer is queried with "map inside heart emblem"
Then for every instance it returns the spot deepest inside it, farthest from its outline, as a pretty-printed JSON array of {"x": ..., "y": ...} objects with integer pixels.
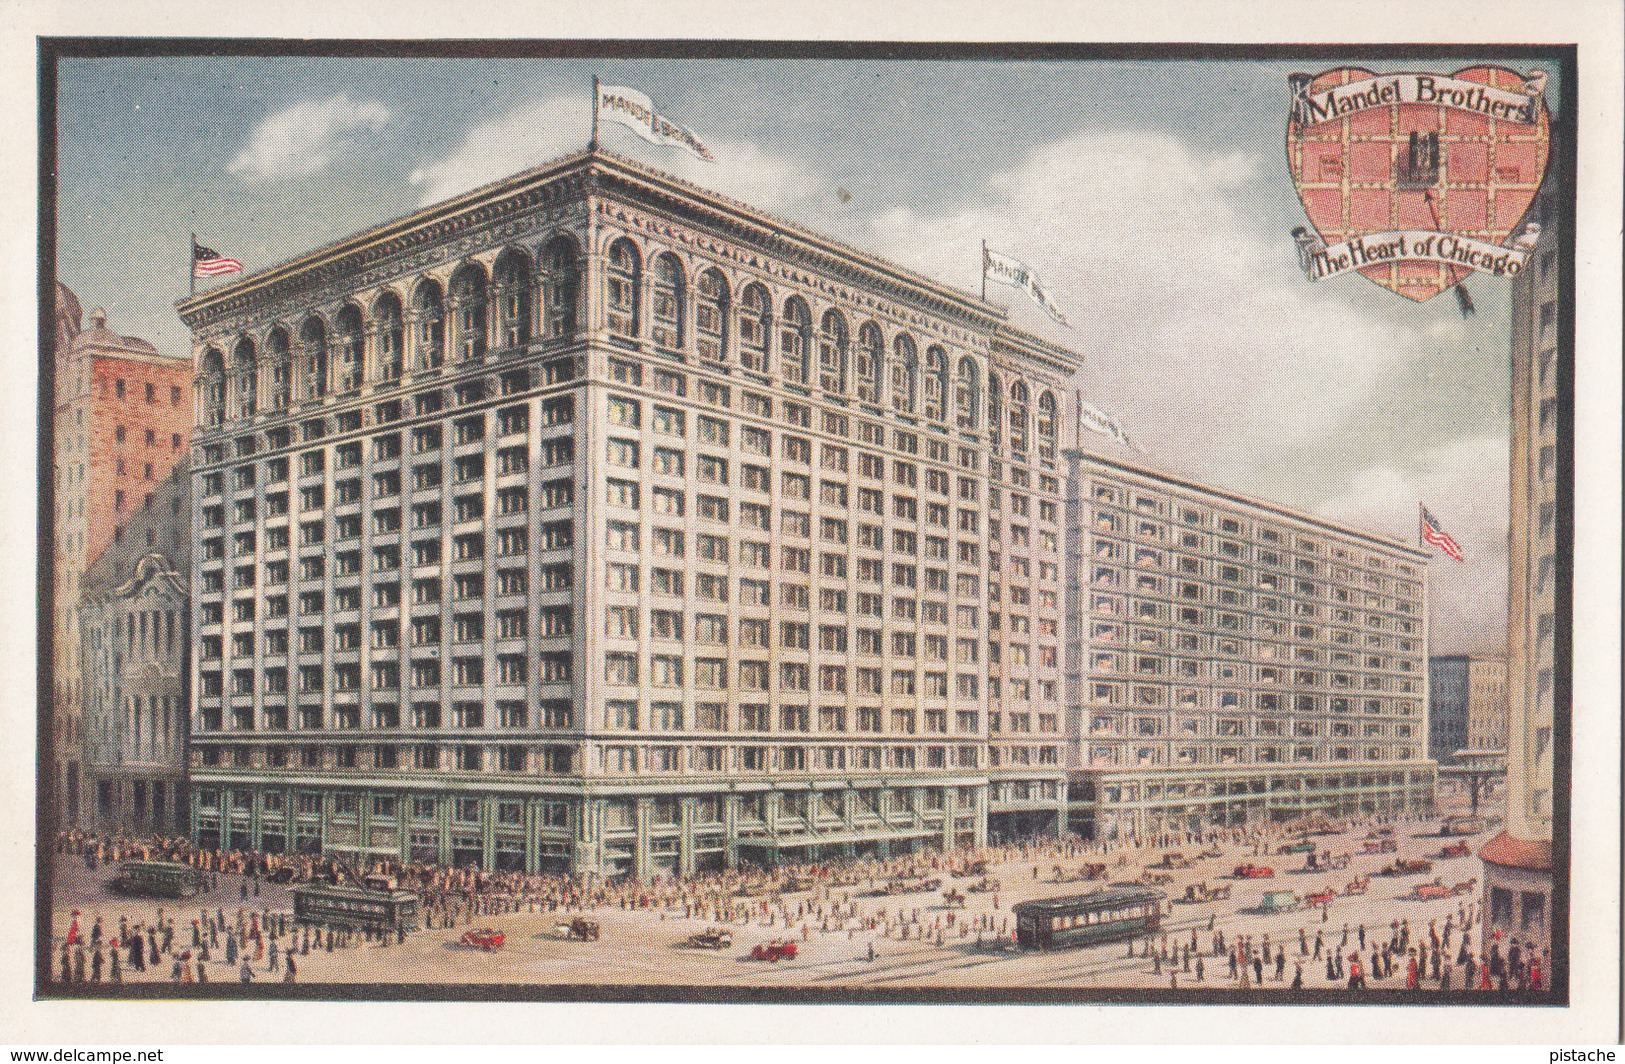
[{"x": 1413, "y": 179}]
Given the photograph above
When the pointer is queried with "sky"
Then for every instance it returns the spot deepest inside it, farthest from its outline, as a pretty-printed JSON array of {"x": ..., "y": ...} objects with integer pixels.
[{"x": 1152, "y": 197}]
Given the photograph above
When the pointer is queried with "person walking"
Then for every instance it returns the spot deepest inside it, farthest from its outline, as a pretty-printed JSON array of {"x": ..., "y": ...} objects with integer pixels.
[
  {"x": 245, "y": 974},
  {"x": 292, "y": 971}
]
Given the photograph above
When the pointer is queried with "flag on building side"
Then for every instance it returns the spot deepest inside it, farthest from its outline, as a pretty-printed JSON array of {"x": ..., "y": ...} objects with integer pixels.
[
  {"x": 1007, "y": 271},
  {"x": 632, "y": 109},
  {"x": 207, "y": 262},
  {"x": 1433, "y": 533},
  {"x": 1098, "y": 421}
]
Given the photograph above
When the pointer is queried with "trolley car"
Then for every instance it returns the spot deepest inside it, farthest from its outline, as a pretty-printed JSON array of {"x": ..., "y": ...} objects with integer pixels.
[
  {"x": 1087, "y": 919},
  {"x": 356, "y": 907},
  {"x": 158, "y": 879}
]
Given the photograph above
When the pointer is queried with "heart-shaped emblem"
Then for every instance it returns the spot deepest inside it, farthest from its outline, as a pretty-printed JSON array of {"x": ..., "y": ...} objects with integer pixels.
[{"x": 1376, "y": 157}]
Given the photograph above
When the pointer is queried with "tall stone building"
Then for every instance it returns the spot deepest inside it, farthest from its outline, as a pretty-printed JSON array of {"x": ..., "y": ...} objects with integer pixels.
[
  {"x": 593, "y": 521},
  {"x": 1467, "y": 702},
  {"x": 134, "y": 671},
  {"x": 1518, "y": 860},
  {"x": 1231, "y": 661},
  {"x": 122, "y": 415}
]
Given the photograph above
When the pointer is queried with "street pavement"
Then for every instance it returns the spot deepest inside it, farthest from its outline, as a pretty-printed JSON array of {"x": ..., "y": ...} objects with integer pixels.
[{"x": 648, "y": 946}]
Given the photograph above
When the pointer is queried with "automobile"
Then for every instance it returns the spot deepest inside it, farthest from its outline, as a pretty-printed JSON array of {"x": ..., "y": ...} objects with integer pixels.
[
  {"x": 1455, "y": 849},
  {"x": 1150, "y": 877},
  {"x": 1201, "y": 892},
  {"x": 488, "y": 939},
  {"x": 780, "y": 949},
  {"x": 1301, "y": 846},
  {"x": 1278, "y": 901},
  {"x": 580, "y": 928},
  {"x": 1252, "y": 871},
  {"x": 910, "y": 886},
  {"x": 1320, "y": 897},
  {"x": 1408, "y": 867},
  {"x": 951, "y": 897},
  {"x": 1429, "y": 891},
  {"x": 1463, "y": 825},
  {"x": 985, "y": 885},
  {"x": 1379, "y": 846},
  {"x": 718, "y": 938}
]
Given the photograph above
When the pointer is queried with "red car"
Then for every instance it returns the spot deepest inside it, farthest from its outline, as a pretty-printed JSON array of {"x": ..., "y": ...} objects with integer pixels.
[
  {"x": 1320, "y": 897},
  {"x": 486, "y": 938},
  {"x": 1252, "y": 871},
  {"x": 1428, "y": 891},
  {"x": 1455, "y": 849},
  {"x": 775, "y": 951}
]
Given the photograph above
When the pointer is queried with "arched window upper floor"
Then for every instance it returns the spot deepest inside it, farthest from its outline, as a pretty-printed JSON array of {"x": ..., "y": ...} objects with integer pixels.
[
  {"x": 313, "y": 356},
  {"x": 561, "y": 287},
  {"x": 1019, "y": 425},
  {"x": 936, "y": 383},
  {"x": 1047, "y": 428},
  {"x": 279, "y": 364},
  {"x": 349, "y": 348},
  {"x": 211, "y": 387},
  {"x": 966, "y": 395},
  {"x": 667, "y": 299},
  {"x": 623, "y": 280},
  {"x": 514, "y": 295},
  {"x": 871, "y": 356},
  {"x": 389, "y": 337},
  {"x": 795, "y": 336},
  {"x": 905, "y": 374},
  {"x": 995, "y": 410},
  {"x": 468, "y": 305},
  {"x": 832, "y": 352},
  {"x": 245, "y": 381},
  {"x": 711, "y": 308},
  {"x": 755, "y": 327},
  {"x": 429, "y": 327}
]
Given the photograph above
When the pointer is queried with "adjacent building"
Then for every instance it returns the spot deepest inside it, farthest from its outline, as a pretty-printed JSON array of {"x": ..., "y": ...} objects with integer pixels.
[
  {"x": 1518, "y": 861},
  {"x": 1231, "y": 661},
  {"x": 592, "y": 521},
  {"x": 135, "y": 678},
  {"x": 1467, "y": 704},
  {"x": 122, "y": 415}
]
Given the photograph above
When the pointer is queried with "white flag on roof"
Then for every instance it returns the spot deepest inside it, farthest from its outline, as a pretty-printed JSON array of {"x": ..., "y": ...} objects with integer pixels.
[
  {"x": 1102, "y": 423},
  {"x": 632, "y": 109},
  {"x": 1015, "y": 273}
]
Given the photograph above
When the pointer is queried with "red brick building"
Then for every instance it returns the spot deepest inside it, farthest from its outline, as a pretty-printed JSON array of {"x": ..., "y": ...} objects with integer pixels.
[{"x": 123, "y": 413}]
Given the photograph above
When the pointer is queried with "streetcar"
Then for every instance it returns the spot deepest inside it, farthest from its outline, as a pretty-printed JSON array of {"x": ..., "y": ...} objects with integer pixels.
[
  {"x": 158, "y": 879},
  {"x": 356, "y": 907},
  {"x": 1087, "y": 919}
]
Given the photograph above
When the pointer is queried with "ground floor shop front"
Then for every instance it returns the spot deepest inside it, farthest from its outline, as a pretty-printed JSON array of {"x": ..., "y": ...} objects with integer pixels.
[
  {"x": 620, "y": 830},
  {"x": 1120, "y": 804}
]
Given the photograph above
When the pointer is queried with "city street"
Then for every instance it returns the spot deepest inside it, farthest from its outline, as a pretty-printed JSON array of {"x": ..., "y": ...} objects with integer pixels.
[{"x": 648, "y": 946}]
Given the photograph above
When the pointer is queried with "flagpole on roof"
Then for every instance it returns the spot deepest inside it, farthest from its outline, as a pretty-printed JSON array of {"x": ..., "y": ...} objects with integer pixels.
[
  {"x": 984, "y": 269},
  {"x": 191, "y": 266},
  {"x": 592, "y": 144}
]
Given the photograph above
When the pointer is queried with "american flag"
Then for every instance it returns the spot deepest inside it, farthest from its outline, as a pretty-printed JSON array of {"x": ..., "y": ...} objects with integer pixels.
[
  {"x": 1434, "y": 533},
  {"x": 207, "y": 262}
]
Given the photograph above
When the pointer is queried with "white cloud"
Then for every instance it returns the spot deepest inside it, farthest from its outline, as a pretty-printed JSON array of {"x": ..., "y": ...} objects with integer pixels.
[
  {"x": 1200, "y": 333},
  {"x": 534, "y": 133},
  {"x": 306, "y": 137}
]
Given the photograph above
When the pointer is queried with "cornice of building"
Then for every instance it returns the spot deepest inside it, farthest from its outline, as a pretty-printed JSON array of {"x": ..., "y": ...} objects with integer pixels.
[
  {"x": 604, "y": 175},
  {"x": 1186, "y": 483}
]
